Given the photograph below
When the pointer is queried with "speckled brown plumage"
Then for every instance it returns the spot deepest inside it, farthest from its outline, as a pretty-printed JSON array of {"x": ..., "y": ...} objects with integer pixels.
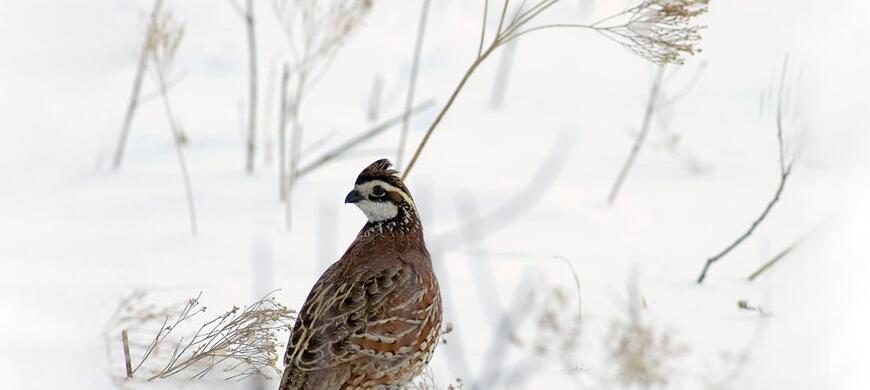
[{"x": 373, "y": 319}]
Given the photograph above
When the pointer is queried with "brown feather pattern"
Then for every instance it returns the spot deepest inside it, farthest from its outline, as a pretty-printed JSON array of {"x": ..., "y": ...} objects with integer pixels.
[{"x": 373, "y": 319}]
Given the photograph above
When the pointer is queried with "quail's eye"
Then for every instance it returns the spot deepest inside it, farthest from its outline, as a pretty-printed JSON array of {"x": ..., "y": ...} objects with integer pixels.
[{"x": 378, "y": 191}]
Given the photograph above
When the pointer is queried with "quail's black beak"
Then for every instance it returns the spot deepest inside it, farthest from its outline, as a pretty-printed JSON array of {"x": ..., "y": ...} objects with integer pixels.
[{"x": 353, "y": 197}]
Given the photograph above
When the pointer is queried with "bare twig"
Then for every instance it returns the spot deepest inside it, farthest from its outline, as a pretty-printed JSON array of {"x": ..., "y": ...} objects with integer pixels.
[
  {"x": 125, "y": 344},
  {"x": 641, "y": 137},
  {"x": 268, "y": 119},
  {"x": 155, "y": 94},
  {"x": 773, "y": 261},
  {"x": 412, "y": 83},
  {"x": 784, "y": 172},
  {"x": 282, "y": 134},
  {"x": 444, "y": 110},
  {"x": 502, "y": 76},
  {"x": 576, "y": 285},
  {"x": 163, "y": 41},
  {"x": 373, "y": 110},
  {"x": 137, "y": 85},
  {"x": 252, "y": 84},
  {"x": 362, "y": 137},
  {"x": 658, "y": 30}
]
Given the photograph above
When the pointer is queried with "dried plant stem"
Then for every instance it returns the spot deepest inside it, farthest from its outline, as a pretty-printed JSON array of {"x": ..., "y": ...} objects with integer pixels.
[
  {"x": 660, "y": 31},
  {"x": 644, "y": 130},
  {"x": 282, "y": 134},
  {"x": 268, "y": 119},
  {"x": 576, "y": 285},
  {"x": 784, "y": 172},
  {"x": 748, "y": 232},
  {"x": 412, "y": 84},
  {"x": 468, "y": 73},
  {"x": 503, "y": 76},
  {"x": 354, "y": 142},
  {"x": 375, "y": 97},
  {"x": 773, "y": 261},
  {"x": 294, "y": 142},
  {"x": 134, "y": 95},
  {"x": 252, "y": 84},
  {"x": 178, "y": 139},
  {"x": 125, "y": 344}
]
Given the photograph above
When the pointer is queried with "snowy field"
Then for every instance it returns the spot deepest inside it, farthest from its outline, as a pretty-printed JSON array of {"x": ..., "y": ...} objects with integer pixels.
[{"x": 76, "y": 236}]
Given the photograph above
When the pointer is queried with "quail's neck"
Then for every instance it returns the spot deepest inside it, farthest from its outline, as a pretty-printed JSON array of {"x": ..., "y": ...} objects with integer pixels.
[{"x": 406, "y": 224}]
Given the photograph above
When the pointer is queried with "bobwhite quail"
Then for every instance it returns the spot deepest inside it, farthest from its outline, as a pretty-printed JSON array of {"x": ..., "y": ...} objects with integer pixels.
[{"x": 373, "y": 319}]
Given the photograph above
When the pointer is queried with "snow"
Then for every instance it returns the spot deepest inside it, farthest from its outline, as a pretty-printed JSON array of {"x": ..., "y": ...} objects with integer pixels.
[{"x": 77, "y": 236}]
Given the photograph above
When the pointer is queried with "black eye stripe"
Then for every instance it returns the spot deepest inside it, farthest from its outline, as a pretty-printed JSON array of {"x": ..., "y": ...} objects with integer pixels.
[{"x": 378, "y": 199}]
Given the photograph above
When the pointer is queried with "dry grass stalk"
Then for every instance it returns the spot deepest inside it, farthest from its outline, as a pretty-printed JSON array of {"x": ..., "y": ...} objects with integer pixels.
[
  {"x": 412, "y": 84},
  {"x": 242, "y": 342},
  {"x": 772, "y": 261},
  {"x": 164, "y": 37},
  {"x": 373, "y": 108},
  {"x": 662, "y": 31},
  {"x": 659, "y": 106},
  {"x": 785, "y": 166},
  {"x": 282, "y": 134},
  {"x": 315, "y": 31},
  {"x": 644, "y": 130},
  {"x": 133, "y": 103},
  {"x": 670, "y": 141},
  {"x": 352, "y": 143},
  {"x": 128, "y": 364},
  {"x": 247, "y": 15}
]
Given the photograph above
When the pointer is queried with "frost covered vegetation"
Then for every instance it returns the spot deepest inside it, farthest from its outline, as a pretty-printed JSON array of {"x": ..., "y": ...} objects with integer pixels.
[{"x": 575, "y": 165}]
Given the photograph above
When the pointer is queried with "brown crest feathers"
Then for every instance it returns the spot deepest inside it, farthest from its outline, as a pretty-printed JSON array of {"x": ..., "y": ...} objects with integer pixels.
[{"x": 380, "y": 170}]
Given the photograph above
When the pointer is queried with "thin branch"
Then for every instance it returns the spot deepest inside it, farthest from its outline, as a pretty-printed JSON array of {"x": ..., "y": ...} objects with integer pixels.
[
  {"x": 483, "y": 27},
  {"x": 782, "y": 180},
  {"x": 125, "y": 344},
  {"x": 353, "y": 142},
  {"x": 252, "y": 83},
  {"x": 373, "y": 111},
  {"x": 668, "y": 34},
  {"x": 503, "y": 74},
  {"x": 412, "y": 84},
  {"x": 155, "y": 94},
  {"x": 137, "y": 86},
  {"x": 772, "y": 261},
  {"x": 282, "y": 134},
  {"x": 576, "y": 285},
  {"x": 645, "y": 126},
  {"x": 785, "y": 171},
  {"x": 444, "y": 110},
  {"x": 504, "y": 8},
  {"x": 177, "y": 138}
]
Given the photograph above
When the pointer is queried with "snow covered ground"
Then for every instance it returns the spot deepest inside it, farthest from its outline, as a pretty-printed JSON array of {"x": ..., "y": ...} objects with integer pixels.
[{"x": 75, "y": 236}]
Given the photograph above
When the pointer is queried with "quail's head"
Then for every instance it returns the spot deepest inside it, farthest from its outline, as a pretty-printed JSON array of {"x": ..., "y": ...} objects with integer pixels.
[{"x": 380, "y": 193}]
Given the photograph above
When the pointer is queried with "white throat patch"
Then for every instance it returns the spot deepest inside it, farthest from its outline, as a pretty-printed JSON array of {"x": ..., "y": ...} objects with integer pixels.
[{"x": 379, "y": 211}]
